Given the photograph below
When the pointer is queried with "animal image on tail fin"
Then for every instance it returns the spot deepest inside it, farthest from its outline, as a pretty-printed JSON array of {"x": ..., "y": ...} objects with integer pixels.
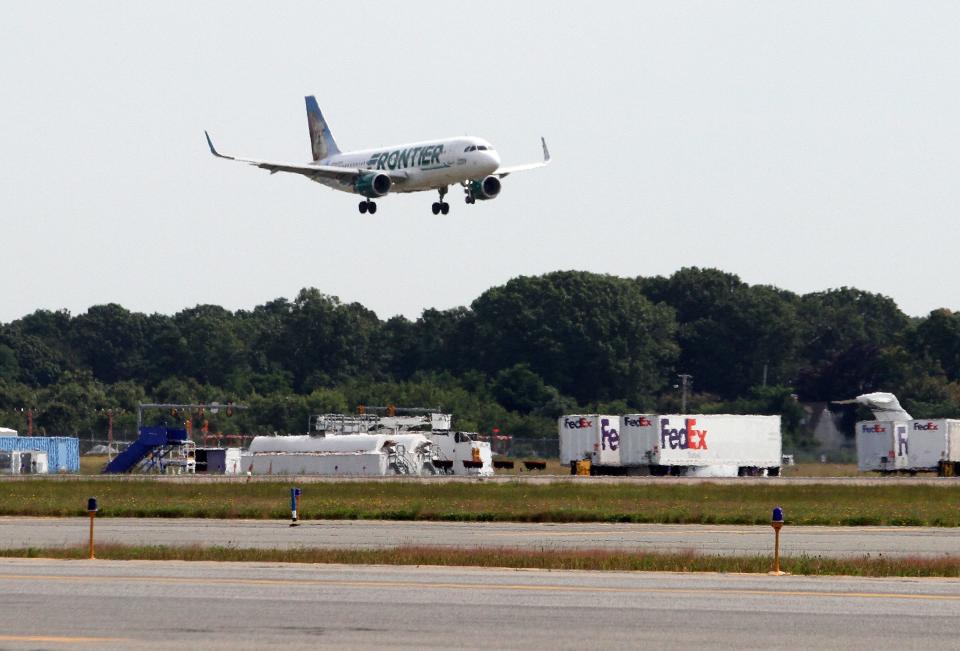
[{"x": 321, "y": 140}]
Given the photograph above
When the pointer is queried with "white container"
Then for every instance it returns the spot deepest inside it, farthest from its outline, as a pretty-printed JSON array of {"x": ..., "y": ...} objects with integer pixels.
[
  {"x": 638, "y": 439},
  {"x": 928, "y": 443},
  {"x": 882, "y": 445},
  {"x": 349, "y": 454},
  {"x": 590, "y": 436},
  {"x": 732, "y": 441}
]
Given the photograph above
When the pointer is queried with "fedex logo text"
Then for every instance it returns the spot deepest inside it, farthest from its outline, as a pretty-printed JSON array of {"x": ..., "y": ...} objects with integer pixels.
[
  {"x": 639, "y": 421},
  {"x": 609, "y": 437},
  {"x": 926, "y": 426},
  {"x": 686, "y": 438},
  {"x": 571, "y": 423},
  {"x": 874, "y": 429}
]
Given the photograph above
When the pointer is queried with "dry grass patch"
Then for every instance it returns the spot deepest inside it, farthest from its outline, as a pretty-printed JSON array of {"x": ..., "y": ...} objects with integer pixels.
[{"x": 600, "y": 560}]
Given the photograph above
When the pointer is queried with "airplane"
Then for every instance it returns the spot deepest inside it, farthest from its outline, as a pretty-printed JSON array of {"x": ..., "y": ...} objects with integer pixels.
[{"x": 416, "y": 167}]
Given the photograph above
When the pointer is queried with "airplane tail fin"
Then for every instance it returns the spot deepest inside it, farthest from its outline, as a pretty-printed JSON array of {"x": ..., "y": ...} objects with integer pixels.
[{"x": 321, "y": 140}]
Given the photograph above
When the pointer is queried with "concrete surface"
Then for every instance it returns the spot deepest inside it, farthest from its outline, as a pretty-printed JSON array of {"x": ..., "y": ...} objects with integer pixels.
[
  {"x": 711, "y": 539},
  {"x": 135, "y": 604}
]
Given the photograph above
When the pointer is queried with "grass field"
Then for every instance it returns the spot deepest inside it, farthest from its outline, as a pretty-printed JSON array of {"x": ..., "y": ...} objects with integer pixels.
[
  {"x": 704, "y": 503},
  {"x": 550, "y": 560}
]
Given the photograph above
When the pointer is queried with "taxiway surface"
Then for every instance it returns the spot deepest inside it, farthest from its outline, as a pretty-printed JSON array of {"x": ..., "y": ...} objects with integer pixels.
[{"x": 136, "y": 604}]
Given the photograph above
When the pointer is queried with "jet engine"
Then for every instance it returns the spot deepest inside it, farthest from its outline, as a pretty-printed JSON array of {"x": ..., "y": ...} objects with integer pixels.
[
  {"x": 487, "y": 188},
  {"x": 372, "y": 185}
]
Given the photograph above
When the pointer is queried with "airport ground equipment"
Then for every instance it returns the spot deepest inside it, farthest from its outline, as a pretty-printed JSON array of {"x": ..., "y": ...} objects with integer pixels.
[
  {"x": 452, "y": 452},
  {"x": 701, "y": 445},
  {"x": 157, "y": 449}
]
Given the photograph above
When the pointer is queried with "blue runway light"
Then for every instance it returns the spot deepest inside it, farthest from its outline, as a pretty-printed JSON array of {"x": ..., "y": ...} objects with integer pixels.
[
  {"x": 92, "y": 505},
  {"x": 777, "y": 514}
]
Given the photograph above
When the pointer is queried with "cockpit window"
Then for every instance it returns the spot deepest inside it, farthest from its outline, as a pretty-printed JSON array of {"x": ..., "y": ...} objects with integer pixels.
[
  {"x": 470, "y": 148},
  {"x": 481, "y": 148}
]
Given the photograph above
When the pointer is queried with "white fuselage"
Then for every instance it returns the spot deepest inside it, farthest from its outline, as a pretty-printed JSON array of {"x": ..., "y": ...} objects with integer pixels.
[{"x": 426, "y": 165}]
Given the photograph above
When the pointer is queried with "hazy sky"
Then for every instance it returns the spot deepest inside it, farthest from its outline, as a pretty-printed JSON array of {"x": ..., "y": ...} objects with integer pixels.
[{"x": 801, "y": 144}]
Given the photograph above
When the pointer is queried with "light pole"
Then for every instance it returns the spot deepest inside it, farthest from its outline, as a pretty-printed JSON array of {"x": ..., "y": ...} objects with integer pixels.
[{"x": 685, "y": 381}]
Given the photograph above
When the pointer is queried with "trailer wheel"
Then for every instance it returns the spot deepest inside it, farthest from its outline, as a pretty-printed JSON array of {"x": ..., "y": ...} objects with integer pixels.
[{"x": 773, "y": 472}]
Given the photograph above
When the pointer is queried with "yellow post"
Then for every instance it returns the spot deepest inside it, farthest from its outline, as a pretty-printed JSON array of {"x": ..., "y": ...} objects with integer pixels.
[
  {"x": 777, "y": 523},
  {"x": 92, "y": 514},
  {"x": 92, "y": 510}
]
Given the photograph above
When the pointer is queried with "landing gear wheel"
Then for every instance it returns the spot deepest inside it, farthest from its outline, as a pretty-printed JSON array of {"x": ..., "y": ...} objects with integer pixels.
[
  {"x": 441, "y": 206},
  {"x": 363, "y": 207},
  {"x": 469, "y": 199},
  {"x": 372, "y": 207}
]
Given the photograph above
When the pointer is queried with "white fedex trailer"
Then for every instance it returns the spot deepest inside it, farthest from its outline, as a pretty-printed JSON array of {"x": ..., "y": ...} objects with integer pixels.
[
  {"x": 917, "y": 445},
  {"x": 590, "y": 436},
  {"x": 882, "y": 445},
  {"x": 718, "y": 445},
  {"x": 706, "y": 445}
]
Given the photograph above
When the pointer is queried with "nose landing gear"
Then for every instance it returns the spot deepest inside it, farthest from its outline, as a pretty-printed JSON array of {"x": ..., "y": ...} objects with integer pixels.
[
  {"x": 441, "y": 206},
  {"x": 368, "y": 207}
]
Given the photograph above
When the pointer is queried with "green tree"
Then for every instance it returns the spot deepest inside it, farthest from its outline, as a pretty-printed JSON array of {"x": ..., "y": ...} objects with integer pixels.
[
  {"x": 845, "y": 332},
  {"x": 731, "y": 335},
  {"x": 593, "y": 337}
]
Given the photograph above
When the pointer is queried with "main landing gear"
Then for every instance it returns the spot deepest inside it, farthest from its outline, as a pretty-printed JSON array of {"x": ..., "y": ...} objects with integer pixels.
[
  {"x": 441, "y": 206},
  {"x": 368, "y": 207}
]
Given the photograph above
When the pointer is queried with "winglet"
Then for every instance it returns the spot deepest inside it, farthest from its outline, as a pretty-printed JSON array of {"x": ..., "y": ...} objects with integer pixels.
[
  {"x": 213, "y": 150},
  {"x": 546, "y": 152}
]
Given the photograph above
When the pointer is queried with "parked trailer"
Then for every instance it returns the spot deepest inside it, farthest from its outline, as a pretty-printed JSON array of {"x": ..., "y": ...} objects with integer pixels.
[
  {"x": 595, "y": 437},
  {"x": 706, "y": 445},
  {"x": 719, "y": 445},
  {"x": 918, "y": 445},
  {"x": 883, "y": 445}
]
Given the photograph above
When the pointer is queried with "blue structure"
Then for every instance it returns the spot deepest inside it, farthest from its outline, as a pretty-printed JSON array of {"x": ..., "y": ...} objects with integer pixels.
[
  {"x": 63, "y": 453},
  {"x": 153, "y": 443}
]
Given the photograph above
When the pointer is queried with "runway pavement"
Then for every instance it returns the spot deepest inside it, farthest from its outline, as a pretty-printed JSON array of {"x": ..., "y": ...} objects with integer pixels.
[
  {"x": 22, "y": 532},
  {"x": 135, "y": 604}
]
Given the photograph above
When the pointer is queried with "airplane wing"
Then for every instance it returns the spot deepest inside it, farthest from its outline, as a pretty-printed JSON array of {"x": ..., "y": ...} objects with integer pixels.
[
  {"x": 504, "y": 171},
  {"x": 342, "y": 174}
]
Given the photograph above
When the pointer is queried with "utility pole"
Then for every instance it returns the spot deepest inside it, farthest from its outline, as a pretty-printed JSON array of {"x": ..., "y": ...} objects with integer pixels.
[{"x": 685, "y": 381}]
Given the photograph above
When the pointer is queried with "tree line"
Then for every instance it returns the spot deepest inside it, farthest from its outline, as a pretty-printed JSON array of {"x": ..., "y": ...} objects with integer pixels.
[{"x": 519, "y": 356}]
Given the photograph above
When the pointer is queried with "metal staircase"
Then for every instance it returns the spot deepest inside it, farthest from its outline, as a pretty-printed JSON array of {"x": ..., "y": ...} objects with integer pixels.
[{"x": 150, "y": 449}]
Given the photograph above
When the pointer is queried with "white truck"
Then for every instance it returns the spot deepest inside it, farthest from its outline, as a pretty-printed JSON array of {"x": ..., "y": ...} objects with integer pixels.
[{"x": 704, "y": 445}]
